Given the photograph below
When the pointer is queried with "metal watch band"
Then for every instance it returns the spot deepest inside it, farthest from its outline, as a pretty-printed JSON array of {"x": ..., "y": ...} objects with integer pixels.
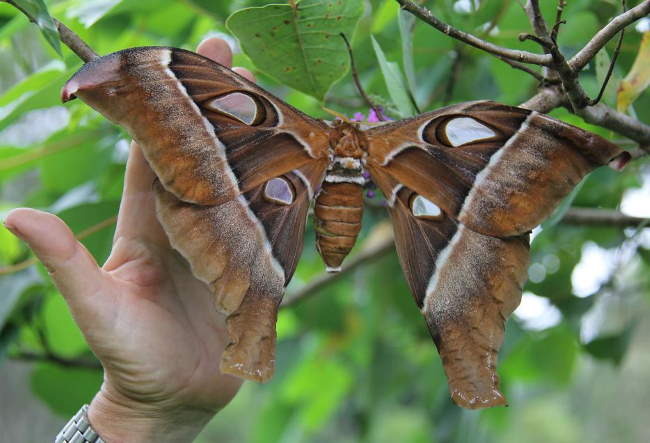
[{"x": 78, "y": 430}]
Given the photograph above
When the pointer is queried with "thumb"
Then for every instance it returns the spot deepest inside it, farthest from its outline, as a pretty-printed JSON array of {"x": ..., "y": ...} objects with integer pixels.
[{"x": 71, "y": 266}]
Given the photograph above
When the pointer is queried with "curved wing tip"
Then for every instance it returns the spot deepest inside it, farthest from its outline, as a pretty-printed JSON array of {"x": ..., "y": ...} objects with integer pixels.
[
  {"x": 619, "y": 162},
  {"x": 478, "y": 400}
]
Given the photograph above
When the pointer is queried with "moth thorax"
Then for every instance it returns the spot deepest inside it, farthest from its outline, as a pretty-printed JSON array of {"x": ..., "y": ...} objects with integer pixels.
[
  {"x": 337, "y": 215},
  {"x": 347, "y": 141}
]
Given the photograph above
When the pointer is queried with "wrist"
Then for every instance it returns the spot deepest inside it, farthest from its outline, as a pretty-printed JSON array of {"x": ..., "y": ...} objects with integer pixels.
[{"x": 119, "y": 419}]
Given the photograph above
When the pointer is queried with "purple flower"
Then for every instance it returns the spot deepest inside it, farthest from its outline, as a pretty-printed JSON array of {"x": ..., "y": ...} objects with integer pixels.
[
  {"x": 372, "y": 116},
  {"x": 358, "y": 117}
]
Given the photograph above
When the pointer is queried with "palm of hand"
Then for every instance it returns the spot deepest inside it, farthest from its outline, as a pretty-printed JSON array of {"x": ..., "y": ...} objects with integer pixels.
[
  {"x": 151, "y": 323},
  {"x": 167, "y": 338}
]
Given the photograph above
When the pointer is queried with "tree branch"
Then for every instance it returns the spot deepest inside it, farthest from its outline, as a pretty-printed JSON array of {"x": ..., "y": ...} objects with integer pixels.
[
  {"x": 601, "y": 217},
  {"x": 603, "y": 36},
  {"x": 516, "y": 65},
  {"x": 536, "y": 19},
  {"x": 366, "y": 256},
  {"x": 516, "y": 55},
  {"x": 603, "y": 115},
  {"x": 357, "y": 82},
  {"x": 546, "y": 99},
  {"x": 75, "y": 43},
  {"x": 574, "y": 216}
]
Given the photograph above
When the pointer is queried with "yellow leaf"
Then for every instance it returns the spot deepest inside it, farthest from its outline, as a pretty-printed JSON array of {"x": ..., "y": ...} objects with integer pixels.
[{"x": 638, "y": 79}]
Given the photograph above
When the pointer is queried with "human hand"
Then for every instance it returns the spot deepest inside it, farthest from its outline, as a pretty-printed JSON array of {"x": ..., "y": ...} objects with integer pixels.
[{"x": 149, "y": 321}]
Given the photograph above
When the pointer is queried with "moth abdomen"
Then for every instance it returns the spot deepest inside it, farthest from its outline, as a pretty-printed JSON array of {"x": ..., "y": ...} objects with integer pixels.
[{"x": 338, "y": 212}]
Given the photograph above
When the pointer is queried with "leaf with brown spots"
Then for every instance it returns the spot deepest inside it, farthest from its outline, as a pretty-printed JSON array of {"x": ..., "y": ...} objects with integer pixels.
[{"x": 292, "y": 42}]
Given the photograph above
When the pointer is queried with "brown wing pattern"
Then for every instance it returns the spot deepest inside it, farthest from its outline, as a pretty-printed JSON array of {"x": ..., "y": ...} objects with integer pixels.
[
  {"x": 237, "y": 166},
  {"x": 279, "y": 139},
  {"x": 214, "y": 159},
  {"x": 494, "y": 172}
]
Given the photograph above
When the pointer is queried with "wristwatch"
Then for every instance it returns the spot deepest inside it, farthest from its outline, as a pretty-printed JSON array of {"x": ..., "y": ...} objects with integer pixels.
[{"x": 78, "y": 430}]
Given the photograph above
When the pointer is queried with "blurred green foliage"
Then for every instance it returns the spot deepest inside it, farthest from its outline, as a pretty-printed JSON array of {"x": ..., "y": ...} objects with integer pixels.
[{"x": 355, "y": 362}]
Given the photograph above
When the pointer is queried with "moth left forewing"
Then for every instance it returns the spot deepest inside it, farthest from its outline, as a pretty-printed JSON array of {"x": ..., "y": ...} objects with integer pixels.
[
  {"x": 208, "y": 133},
  {"x": 464, "y": 185},
  {"x": 237, "y": 168},
  {"x": 263, "y": 136}
]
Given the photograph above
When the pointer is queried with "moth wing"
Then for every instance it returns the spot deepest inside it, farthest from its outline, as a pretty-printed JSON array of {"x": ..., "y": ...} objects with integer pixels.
[
  {"x": 236, "y": 167},
  {"x": 246, "y": 250},
  {"x": 208, "y": 133},
  {"x": 465, "y": 184},
  {"x": 498, "y": 169}
]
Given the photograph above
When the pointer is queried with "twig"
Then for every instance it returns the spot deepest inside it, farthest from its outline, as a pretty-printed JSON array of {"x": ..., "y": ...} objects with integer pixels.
[
  {"x": 612, "y": 63},
  {"x": 546, "y": 99},
  {"x": 558, "y": 20},
  {"x": 601, "y": 217},
  {"x": 536, "y": 19},
  {"x": 539, "y": 77},
  {"x": 516, "y": 55},
  {"x": 76, "y": 362},
  {"x": 638, "y": 152},
  {"x": 453, "y": 75},
  {"x": 603, "y": 115},
  {"x": 576, "y": 216},
  {"x": 366, "y": 256},
  {"x": 603, "y": 36},
  {"x": 66, "y": 35},
  {"x": 357, "y": 82},
  {"x": 75, "y": 43}
]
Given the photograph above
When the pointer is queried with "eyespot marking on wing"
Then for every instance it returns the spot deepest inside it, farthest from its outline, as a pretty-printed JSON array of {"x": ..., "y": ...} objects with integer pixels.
[
  {"x": 423, "y": 208},
  {"x": 461, "y": 130},
  {"x": 278, "y": 190},
  {"x": 237, "y": 105}
]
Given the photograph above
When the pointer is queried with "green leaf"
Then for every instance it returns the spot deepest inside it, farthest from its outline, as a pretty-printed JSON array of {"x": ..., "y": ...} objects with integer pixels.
[
  {"x": 602, "y": 66},
  {"x": 37, "y": 12},
  {"x": 489, "y": 10},
  {"x": 12, "y": 287},
  {"x": 406, "y": 24},
  {"x": 9, "y": 246},
  {"x": 394, "y": 82},
  {"x": 611, "y": 347},
  {"x": 89, "y": 12},
  {"x": 217, "y": 9},
  {"x": 82, "y": 217},
  {"x": 563, "y": 207},
  {"x": 64, "y": 389},
  {"x": 26, "y": 87},
  {"x": 299, "y": 43},
  {"x": 40, "y": 90},
  {"x": 644, "y": 253},
  {"x": 549, "y": 355},
  {"x": 317, "y": 403},
  {"x": 81, "y": 163},
  {"x": 383, "y": 16},
  {"x": 63, "y": 334},
  {"x": 638, "y": 79},
  {"x": 8, "y": 335}
]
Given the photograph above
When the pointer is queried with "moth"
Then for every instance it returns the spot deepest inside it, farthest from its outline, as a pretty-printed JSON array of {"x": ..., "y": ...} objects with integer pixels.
[{"x": 238, "y": 168}]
